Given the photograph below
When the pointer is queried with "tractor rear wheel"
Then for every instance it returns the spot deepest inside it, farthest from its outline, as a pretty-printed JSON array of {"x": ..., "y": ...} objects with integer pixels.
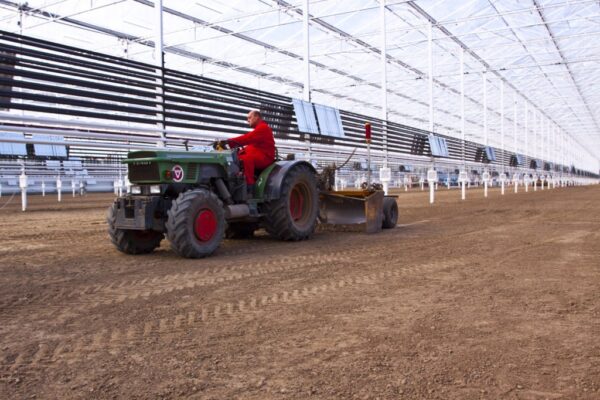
[
  {"x": 131, "y": 241},
  {"x": 195, "y": 223},
  {"x": 293, "y": 216},
  {"x": 390, "y": 213}
]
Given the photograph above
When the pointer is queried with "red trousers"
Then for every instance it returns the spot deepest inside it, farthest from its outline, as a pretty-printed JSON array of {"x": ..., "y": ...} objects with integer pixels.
[{"x": 252, "y": 160}]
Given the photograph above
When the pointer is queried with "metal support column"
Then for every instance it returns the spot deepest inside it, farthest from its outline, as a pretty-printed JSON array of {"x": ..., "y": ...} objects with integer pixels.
[
  {"x": 430, "y": 70},
  {"x": 306, "y": 63},
  {"x": 160, "y": 63},
  {"x": 462, "y": 102},
  {"x": 502, "y": 122},
  {"x": 306, "y": 58},
  {"x": 384, "y": 107},
  {"x": 515, "y": 148},
  {"x": 543, "y": 128},
  {"x": 485, "y": 124},
  {"x": 526, "y": 131}
]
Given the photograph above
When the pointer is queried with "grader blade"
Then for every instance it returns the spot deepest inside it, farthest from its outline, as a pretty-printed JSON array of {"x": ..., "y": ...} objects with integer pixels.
[{"x": 353, "y": 208}]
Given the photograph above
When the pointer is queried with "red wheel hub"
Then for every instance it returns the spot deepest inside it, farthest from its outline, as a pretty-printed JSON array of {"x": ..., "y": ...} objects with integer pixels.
[
  {"x": 296, "y": 203},
  {"x": 205, "y": 225}
]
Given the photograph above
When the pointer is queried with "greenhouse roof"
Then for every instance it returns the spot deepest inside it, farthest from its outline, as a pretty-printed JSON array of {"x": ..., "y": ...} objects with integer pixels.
[{"x": 540, "y": 56}]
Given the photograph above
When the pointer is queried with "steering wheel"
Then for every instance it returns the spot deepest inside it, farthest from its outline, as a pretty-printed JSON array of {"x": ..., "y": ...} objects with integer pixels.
[{"x": 220, "y": 145}]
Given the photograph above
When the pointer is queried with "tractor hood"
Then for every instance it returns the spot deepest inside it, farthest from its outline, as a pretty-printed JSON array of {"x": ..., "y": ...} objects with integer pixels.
[{"x": 172, "y": 166}]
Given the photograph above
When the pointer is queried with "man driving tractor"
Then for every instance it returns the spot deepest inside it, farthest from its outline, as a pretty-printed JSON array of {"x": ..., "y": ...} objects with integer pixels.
[{"x": 258, "y": 147}]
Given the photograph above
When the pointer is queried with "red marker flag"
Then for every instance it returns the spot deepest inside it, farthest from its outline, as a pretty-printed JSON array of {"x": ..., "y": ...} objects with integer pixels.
[{"x": 368, "y": 132}]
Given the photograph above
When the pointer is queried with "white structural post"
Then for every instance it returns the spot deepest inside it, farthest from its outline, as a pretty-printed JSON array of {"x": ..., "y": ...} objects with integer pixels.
[
  {"x": 120, "y": 184},
  {"x": 502, "y": 182},
  {"x": 23, "y": 186},
  {"x": 543, "y": 126},
  {"x": 486, "y": 177},
  {"x": 502, "y": 134},
  {"x": 59, "y": 188},
  {"x": 515, "y": 147},
  {"x": 485, "y": 124},
  {"x": 535, "y": 132},
  {"x": 462, "y": 103},
  {"x": 422, "y": 182},
  {"x": 526, "y": 182},
  {"x": 555, "y": 153},
  {"x": 463, "y": 177},
  {"x": 535, "y": 178},
  {"x": 73, "y": 184},
  {"x": 306, "y": 58},
  {"x": 430, "y": 73},
  {"x": 526, "y": 134},
  {"x": 385, "y": 176},
  {"x": 384, "y": 107},
  {"x": 306, "y": 94},
  {"x": 431, "y": 180},
  {"x": 159, "y": 59},
  {"x": 0, "y": 190},
  {"x": 43, "y": 188}
]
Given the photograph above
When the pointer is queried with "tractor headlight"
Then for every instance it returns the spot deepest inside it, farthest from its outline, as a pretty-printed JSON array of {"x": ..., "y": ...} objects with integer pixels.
[
  {"x": 155, "y": 189},
  {"x": 135, "y": 189}
]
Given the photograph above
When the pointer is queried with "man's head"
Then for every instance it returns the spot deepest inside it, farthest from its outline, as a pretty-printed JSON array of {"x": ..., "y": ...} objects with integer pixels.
[{"x": 254, "y": 118}]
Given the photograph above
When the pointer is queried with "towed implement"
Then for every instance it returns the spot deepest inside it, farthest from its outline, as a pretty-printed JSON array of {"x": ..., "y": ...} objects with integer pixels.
[{"x": 195, "y": 198}]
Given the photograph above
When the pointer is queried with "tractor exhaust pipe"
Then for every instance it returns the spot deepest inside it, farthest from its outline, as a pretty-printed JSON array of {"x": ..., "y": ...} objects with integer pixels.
[
  {"x": 223, "y": 192},
  {"x": 234, "y": 211}
]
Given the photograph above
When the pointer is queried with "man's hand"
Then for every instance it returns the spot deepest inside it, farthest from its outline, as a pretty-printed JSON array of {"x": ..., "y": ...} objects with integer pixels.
[{"x": 219, "y": 144}]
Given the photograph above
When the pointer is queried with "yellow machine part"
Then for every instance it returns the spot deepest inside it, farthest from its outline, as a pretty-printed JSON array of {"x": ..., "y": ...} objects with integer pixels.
[{"x": 353, "y": 207}]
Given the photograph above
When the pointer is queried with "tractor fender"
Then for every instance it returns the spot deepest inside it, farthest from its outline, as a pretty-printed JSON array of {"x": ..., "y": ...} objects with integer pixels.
[{"x": 269, "y": 182}]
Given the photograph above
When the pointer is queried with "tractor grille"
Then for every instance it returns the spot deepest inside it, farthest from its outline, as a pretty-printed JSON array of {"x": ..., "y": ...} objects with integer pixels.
[
  {"x": 192, "y": 171},
  {"x": 144, "y": 171}
]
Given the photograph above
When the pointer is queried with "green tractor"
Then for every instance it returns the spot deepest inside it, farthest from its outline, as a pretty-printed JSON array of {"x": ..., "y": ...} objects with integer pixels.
[{"x": 196, "y": 198}]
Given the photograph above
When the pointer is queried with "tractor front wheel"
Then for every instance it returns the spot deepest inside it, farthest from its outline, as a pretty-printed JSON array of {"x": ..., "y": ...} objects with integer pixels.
[
  {"x": 131, "y": 241},
  {"x": 293, "y": 216},
  {"x": 196, "y": 223}
]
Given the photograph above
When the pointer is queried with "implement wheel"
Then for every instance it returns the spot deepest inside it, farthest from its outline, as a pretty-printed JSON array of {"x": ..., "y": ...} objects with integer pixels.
[
  {"x": 131, "y": 241},
  {"x": 195, "y": 223},
  {"x": 293, "y": 216},
  {"x": 390, "y": 213}
]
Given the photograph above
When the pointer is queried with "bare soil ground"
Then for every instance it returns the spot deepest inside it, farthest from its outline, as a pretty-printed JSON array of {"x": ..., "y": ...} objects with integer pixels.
[{"x": 487, "y": 298}]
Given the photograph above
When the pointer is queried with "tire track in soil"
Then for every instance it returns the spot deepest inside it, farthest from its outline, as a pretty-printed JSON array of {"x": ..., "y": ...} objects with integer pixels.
[
  {"x": 80, "y": 347},
  {"x": 178, "y": 279},
  {"x": 114, "y": 293},
  {"x": 18, "y": 303}
]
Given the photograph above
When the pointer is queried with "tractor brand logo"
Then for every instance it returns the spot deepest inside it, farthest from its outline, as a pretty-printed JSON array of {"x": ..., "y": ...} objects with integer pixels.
[{"x": 177, "y": 173}]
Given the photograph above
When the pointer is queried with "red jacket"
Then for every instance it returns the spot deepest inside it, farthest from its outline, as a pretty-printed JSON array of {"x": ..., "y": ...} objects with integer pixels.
[{"x": 260, "y": 140}]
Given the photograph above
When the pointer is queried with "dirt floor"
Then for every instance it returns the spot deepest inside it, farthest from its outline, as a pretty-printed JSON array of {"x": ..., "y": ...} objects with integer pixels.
[{"x": 486, "y": 298}]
